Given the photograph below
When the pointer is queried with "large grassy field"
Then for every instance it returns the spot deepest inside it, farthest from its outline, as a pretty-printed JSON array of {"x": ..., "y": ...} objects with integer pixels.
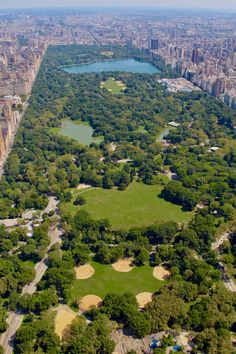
[
  {"x": 106, "y": 280},
  {"x": 113, "y": 86},
  {"x": 138, "y": 205}
]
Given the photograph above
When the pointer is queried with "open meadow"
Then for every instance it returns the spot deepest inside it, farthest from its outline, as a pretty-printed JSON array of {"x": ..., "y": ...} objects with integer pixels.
[
  {"x": 139, "y": 205},
  {"x": 113, "y": 86}
]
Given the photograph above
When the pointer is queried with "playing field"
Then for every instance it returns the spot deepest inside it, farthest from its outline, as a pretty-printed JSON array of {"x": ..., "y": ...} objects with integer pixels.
[
  {"x": 106, "y": 279},
  {"x": 138, "y": 205},
  {"x": 113, "y": 86}
]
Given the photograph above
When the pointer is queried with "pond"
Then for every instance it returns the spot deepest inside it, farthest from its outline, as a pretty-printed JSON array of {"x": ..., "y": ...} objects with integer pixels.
[
  {"x": 80, "y": 131},
  {"x": 125, "y": 65}
]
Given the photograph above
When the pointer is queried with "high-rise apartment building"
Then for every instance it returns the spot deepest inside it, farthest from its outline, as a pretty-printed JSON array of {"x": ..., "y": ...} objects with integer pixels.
[
  {"x": 154, "y": 44},
  {"x": 196, "y": 56}
]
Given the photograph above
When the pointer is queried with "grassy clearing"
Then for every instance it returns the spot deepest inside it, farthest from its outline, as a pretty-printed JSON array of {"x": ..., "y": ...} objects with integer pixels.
[
  {"x": 138, "y": 205},
  {"x": 106, "y": 279},
  {"x": 107, "y": 53},
  {"x": 113, "y": 86},
  {"x": 141, "y": 129}
]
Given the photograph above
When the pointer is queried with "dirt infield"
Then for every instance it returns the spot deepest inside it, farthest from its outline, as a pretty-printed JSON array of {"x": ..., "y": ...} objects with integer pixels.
[
  {"x": 123, "y": 265},
  {"x": 63, "y": 319},
  {"x": 84, "y": 272},
  {"x": 161, "y": 273},
  {"x": 88, "y": 301},
  {"x": 143, "y": 299}
]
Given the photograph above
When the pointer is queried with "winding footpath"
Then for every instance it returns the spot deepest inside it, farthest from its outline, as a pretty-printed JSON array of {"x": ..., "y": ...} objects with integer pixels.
[
  {"x": 15, "y": 319},
  {"x": 216, "y": 246}
]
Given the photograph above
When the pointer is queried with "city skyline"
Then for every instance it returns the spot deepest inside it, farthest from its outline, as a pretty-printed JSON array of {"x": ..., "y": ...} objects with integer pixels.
[{"x": 182, "y": 4}]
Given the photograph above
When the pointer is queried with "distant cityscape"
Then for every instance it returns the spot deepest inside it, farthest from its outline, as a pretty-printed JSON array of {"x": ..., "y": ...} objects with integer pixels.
[{"x": 200, "y": 48}]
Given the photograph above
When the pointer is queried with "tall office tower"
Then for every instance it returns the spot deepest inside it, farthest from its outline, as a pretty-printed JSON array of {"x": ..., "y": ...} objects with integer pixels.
[
  {"x": 218, "y": 87},
  {"x": 181, "y": 53},
  {"x": 233, "y": 60},
  {"x": 154, "y": 44},
  {"x": 196, "y": 56}
]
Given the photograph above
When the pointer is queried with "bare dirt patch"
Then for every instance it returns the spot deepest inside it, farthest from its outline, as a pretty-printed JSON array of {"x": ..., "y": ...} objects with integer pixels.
[
  {"x": 85, "y": 271},
  {"x": 143, "y": 299},
  {"x": 161, "y": 273},
  {"x": 82, "y": 186},
  {"x": 113, "y": 147},
  {"x": 64, "y": 318},
  {"x": 123, "y": 265},
  {"x": 88, "y": 301}
]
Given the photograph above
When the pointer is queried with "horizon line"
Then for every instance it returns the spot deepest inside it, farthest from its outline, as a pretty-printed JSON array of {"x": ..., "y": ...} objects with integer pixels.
[{"x": 117, "y": 7}]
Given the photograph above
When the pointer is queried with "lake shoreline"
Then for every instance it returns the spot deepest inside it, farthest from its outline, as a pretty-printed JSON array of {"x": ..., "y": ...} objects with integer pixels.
[
  {"x": 78, "y": 130},
  {"x": 129, "y": 65}
]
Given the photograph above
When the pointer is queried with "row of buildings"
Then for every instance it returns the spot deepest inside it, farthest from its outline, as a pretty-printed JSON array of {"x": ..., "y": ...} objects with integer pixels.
[
  {"x": 210, "y": 66},
  {"x": 9, "y": 119},
  {"x": 19, "y": 65}
]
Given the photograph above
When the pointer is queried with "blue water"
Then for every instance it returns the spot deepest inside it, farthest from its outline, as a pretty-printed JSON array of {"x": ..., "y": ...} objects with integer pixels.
[{"x": 126, "y": 65}]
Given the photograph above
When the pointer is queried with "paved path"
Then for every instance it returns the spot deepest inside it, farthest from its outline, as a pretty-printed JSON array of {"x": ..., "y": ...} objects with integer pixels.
[
  {"x": 15, "y": 318},
  {"x": 29, "y": 214},
  {"x": 216, "y": 246}
]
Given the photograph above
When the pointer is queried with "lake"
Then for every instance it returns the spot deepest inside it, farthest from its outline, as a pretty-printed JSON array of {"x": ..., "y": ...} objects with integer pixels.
[
  {"x": 82, "y": 132},
  {"x": 125, "y": 65}
]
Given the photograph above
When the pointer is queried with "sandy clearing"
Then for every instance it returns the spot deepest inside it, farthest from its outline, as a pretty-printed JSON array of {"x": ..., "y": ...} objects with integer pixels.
[
  {"x": 161, "y": 273},
  {"x": 85, "y": 271},
  {"x": 88, "y": 301},
  {"x": 143, "y": 299},
  {"x": 113, "y": 146},
  {"x": 64, "y": 318},
  {"x": 123, "y": 265},
  {"x": 28, "y": 214},
  {"x": 9, "y": 222},
  {"x": 183, "y": 338},
  {"x": 82, "y": 186},
  {"x": 124, "y": 160}
]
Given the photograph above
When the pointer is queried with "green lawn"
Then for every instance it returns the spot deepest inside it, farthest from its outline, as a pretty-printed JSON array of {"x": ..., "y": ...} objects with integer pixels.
[
  {"x": 113, "y": 86},
  {"x": 138, "y": 205},
  {"x": 106, "y": 280}
]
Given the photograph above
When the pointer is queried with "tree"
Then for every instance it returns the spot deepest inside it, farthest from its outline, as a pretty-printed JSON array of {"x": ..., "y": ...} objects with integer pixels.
[
  {"x": 3, "y": 323},
  {"x": 212, "y": 342},
  {"x": 165, "y": 310},
  {"x": 141, "y": 256},
  {"x": 137, "y": 322},
  {"x": 80, "y": 201}
]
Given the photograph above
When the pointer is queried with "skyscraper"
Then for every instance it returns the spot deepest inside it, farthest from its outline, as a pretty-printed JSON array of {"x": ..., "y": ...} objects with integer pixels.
[
  {"x": 154, "y": 44},
  {"x": 196, "y": 56},
  {"x": 218, "y": 87}
]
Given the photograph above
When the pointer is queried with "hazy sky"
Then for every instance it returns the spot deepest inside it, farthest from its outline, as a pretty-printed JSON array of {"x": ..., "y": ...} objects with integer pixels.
[{"x": 209, "y": 4}]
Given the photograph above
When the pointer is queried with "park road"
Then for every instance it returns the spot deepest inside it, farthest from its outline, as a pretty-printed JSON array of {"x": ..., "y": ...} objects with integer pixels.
[
  {"x": 216, "y": 246},
  {"x": 15, "y": 319}
]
